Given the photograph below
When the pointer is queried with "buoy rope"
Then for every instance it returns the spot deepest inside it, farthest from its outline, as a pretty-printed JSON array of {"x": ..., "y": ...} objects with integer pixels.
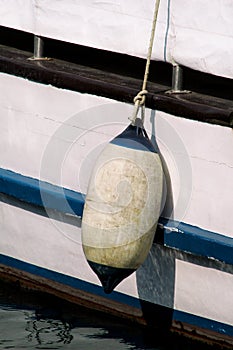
[{"x": 140, "y": 98}]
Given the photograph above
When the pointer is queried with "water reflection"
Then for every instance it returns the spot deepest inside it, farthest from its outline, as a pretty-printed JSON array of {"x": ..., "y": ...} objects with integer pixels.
[
  {"x": 36, "y": 321},
  {"x": 48, "y": 332},
  {"x": 62, "y": 328}
]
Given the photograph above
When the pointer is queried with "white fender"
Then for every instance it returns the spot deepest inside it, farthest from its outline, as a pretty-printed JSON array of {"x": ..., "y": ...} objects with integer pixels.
[{"x": 122, "y": 207}]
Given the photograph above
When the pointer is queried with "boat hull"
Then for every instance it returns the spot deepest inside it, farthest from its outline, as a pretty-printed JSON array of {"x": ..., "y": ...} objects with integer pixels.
[
  {"x": 172, "y": 290},
  {"x": 49, "y": 151}
]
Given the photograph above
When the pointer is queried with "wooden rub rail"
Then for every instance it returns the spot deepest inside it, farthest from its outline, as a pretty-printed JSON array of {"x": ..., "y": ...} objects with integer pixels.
[{"x": 76, "y": 77}]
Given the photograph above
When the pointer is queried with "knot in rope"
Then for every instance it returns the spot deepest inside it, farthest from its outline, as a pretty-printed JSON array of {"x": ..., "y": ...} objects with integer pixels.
[
  {"x": 140, "y": 98},
  {"x": 139, "y": 101}
]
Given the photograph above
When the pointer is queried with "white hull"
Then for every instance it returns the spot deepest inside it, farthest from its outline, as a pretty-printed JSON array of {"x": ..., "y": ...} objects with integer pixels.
[{"x": 54, "y": 135}]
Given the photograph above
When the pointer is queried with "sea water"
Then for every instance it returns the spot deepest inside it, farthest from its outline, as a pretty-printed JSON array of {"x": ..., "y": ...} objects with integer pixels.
[{"x": 33, "y": 320}]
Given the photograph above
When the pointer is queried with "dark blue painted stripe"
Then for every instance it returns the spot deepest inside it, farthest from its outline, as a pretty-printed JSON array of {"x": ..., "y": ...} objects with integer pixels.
[
  {"x": 41, "y": 193},
  {"x": 176, "y": 235},
  {"x": 201, "y": 322},
  {"x": 197, "y": 241},
  {"x": 68, "y": 280}
]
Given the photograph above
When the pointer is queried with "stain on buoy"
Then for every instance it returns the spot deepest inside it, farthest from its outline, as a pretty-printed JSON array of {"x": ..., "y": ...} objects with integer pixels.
[{"x": 122, "y": 206}]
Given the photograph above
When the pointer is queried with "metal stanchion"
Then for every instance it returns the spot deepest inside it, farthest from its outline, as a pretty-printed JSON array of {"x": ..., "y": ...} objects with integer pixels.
[
  {"x": 38, "y": 47},
  {"x": 177, "y": 80},
  {"x": 38, "y": 54}
]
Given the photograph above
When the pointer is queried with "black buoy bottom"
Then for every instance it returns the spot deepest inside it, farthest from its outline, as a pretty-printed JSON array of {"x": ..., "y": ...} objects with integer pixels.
[{"x": 109, "y": 276}]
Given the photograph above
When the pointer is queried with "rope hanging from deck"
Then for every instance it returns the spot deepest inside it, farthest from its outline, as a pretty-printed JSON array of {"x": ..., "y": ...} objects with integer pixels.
[{"x": 140, "y": 98}]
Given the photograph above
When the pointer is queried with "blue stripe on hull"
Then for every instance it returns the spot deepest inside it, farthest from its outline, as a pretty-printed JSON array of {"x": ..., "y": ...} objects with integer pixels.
[
  {"x": 185, "y": 237},
  {"x": 197, "y": 241},
  {"x": 179, "y": 316},
  {"x": 41, "y": 193},
  {"x": 201, "y": 322}
]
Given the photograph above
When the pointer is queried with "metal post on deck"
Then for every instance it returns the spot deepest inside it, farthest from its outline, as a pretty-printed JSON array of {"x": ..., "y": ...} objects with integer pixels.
[
  {"x": 177, "y": 78},
  {"x": 38, "y": 47},
  {"x": 38, "y": 53}
]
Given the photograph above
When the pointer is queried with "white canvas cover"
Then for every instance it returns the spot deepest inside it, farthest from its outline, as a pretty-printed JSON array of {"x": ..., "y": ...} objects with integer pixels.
[{"x": 193, "y": 33}]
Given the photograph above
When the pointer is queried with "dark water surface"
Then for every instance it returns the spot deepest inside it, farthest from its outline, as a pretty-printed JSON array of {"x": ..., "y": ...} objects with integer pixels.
[{"x": 32, "y": 320}]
